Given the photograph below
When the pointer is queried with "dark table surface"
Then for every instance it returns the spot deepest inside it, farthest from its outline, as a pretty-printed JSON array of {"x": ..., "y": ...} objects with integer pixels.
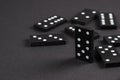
[{"x": 19, "y": 62}]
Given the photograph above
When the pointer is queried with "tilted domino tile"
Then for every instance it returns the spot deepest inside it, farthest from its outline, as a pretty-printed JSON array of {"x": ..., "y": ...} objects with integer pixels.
[
  {"x": 106, "y": 21},
  {"x": 84, "y": 44},
  {"x": 108, "y": 55},
  {"x": 47, "y": 39},
  {"x": 50, "y": 23},
  {"x": 85, "y": 16},
  {"x": 71, "y": 31},
  {"x": 112, "y": 39}
]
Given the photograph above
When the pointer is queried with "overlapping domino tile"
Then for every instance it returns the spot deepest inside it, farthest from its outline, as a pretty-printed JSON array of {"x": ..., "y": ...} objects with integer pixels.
[
  {"x": 71, "y": 31},
  {"x": 112, "y": 39}
]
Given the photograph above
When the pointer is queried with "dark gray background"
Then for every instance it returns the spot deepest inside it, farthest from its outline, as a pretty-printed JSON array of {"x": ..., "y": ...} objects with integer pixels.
[{"x": 19, "y": 62}]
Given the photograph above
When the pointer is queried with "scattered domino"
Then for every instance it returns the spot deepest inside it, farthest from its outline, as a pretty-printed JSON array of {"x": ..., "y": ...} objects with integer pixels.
[
  {"x": 108, "y": 55},
  {"x": 84, "y": 17},
  {"x": 112, "y": 39},
  {"x": 46, "y": 40},
  {"x": 106, "y": 21},
  {"x": 84, "y": 37},
  {"x": 84, "y": 44},
  {"x": 50, "y": 23},
  {"x": 71, "y": 31}
]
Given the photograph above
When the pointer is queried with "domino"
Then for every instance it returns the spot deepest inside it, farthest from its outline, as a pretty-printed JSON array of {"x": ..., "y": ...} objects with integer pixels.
[
  {"x": 108, "y": 55},
  {"x": 70, "y": 30},
  {"x": 47, "y": 40},
  {"x": 85, "y": 16},
  {"x": 112, "y": 39},
  {"x": 84, "y": 44},
  {"x": 50, "y": 23},
  {"x": 106, "y": 21}
]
